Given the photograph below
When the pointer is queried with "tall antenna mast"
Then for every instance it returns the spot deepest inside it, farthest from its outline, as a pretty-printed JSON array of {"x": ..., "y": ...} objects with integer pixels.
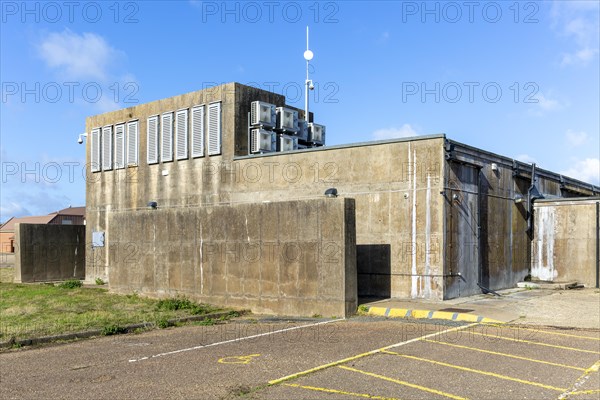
[{"x": 308, "y": 55}]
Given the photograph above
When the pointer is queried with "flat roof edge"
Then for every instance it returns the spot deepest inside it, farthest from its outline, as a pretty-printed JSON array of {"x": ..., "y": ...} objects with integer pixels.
[{"x": 346, "y": 146}]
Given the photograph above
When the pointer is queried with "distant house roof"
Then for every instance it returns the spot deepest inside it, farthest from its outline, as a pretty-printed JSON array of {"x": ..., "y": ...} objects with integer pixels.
[
  {"x": 80, "y": 211},
  {"x": 9, "y": 226}
]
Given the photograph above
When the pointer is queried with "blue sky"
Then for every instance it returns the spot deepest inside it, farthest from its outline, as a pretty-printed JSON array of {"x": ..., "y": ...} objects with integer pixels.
[{"x": 517, "y": 78}]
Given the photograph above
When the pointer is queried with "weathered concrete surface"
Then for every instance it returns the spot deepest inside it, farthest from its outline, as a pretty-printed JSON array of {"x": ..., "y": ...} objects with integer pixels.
[
  {"x": 565, "y": 240},
  {"x": 49, "y": 252},
  {"x": 412, "y": 241},
  {"x": 287, "y": 258}
]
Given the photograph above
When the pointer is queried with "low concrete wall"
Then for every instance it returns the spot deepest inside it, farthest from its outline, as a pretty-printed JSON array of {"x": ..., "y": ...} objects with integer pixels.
[
  {"x": 565, "y": 240},
  {"x": 287, "y": 258},
  {"x": 49, "y": 252}
]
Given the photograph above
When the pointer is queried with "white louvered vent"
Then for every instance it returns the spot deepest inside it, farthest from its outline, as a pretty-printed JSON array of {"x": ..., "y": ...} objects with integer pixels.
[
  {"x": 152, "y": 140},
  {"x": 214, "y": 129},
  {"x": 198, "y": 131},
  {"x": 95, "y": 150},
  {"x": 107, "y": 148},
  {"x": 181, "y": 134},
  {"x": 132, "y": 142},
  {"x": 119, "y": 146},
  {"x": 166, "y": 132}
]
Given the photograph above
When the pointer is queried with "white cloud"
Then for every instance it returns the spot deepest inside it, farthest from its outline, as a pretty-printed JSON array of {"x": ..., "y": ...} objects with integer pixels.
[
  {"x": 526, "y": 158},
  {"x": 547, "y": 104},
  {"x": 587, "y": 170},
  {"x": 85, "y": 56},
  {"x": 575, "y": 139},
  {"x": 393, "y": 133},
  {"x": 577, "y": 22},
  {"x": 11, "y": 209},
  {"x": 582, "y": 56}
]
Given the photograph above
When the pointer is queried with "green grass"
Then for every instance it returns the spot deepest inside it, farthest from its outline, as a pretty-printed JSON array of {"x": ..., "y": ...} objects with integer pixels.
[{"x": 35, "y": 310}]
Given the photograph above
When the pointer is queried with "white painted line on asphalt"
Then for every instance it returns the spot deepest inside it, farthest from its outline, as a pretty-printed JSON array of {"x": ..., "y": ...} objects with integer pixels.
[{"x": 168, "y": 353}]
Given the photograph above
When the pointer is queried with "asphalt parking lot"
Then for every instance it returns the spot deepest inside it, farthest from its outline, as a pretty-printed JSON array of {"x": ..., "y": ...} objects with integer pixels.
[{"x": 314, "y": 359}]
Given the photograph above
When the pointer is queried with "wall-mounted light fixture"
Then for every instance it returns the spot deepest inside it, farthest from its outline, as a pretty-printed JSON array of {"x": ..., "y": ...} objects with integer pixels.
[
  {"x": 153, "y": 205},
  {"x": 518, "y": 199},
  {"x": 331, "y": 192}
]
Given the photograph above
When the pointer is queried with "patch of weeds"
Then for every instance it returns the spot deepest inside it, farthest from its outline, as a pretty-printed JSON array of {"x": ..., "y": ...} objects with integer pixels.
[
  {"x": 315, "y": 315},
  {"x": 182, "y": 303},
  {"x": 132, "y": 296},
  {"x": 206, "y": 322},
  {"x": 241, "y": 390},
  {"x": 16, "y": 345},
  {"x": 71, "y": 284},
  {"x": 112, "y": 330},
  {"x": 363, "y": 309},
  {"x": 162, "y": 323},
  {"x": 100, "y": 281}
]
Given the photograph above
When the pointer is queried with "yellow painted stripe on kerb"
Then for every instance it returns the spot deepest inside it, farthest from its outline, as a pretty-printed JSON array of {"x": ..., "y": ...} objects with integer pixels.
[
  {"x": 326, "y": 390},
  {"x": 399, "y": 382},
  {"x": 377, "y": 310},
  {"x": 504, "y": 354},
  {"x": 429, "y": 314},
  {"x": 397, "y": 312},
  {"x": 536, "y": 343},
  {"x": 477, "y": 371},
  {"x": 442, "y": 315}
]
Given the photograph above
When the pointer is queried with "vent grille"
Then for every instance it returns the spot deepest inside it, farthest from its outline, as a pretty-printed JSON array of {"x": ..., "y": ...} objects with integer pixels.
[
  {"x": 181, "y": 134},
  {"x": 166, "y": 132},
  {"x": 106, "y": 148},
  {"x": 119, "y": 146},
  {"x": 95, "y": 150},
  {"x": 132, "y": 142},
  {"x": 152, "y": 144},
  {"x": 198, "y": 131},
  {"x": 214, "y": 129}
]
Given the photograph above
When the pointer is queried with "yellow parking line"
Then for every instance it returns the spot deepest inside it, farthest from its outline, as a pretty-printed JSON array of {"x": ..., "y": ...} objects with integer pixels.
[
  {"x": 399, "y": 382},
  {"x": 477, "y": 371},
  {"x": 580, "y": 381},
  {"x": 368, "y": 353},
  {"x": 505, "y": 355},
  {"x": 548, "y": 332},
  {"x": 538, "y": 343},
  {"x": 585, "y": 392},
  {"x": 320, "y": 389}
]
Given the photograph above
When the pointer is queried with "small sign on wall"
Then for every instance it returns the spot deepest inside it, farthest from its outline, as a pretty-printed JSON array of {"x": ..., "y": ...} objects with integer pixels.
[{"x": 97, "y": 239}]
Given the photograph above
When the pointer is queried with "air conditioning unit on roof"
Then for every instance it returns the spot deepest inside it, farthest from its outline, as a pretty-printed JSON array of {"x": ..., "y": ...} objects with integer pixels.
[
  {"x": 302, "y": 133},
  {"x": 262, "y": 141},
  {"x": 287, "y": 120},
  {"x": 286, "y": 143},
  {"x": 262, "y": 114},
  {"x": 316, "y": 133}
]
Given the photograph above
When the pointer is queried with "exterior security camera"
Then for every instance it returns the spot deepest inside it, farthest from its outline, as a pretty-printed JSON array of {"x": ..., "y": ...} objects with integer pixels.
[
  {"x": 80, "y": 140},
  {"x": 311, "y": 86}
]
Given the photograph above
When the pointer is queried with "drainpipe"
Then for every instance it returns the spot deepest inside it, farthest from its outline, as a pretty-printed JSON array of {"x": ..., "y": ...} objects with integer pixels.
[
  {"x": 529, "y": 199},
  {"x": 597, "y": 244}
]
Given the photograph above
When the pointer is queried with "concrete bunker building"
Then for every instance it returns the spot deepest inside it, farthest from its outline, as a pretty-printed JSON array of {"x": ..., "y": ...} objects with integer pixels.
[{"x": 177, "y": 205}]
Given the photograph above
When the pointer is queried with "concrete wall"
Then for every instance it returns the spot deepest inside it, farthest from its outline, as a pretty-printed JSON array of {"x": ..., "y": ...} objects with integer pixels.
[
  {"x": 49, "y": 252},
  {"x": 411, "y": 241},
  {"x": 290, "y": 258},
  {"x": 565, "y": 240},
  {"x": 486, "y": 233}
]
